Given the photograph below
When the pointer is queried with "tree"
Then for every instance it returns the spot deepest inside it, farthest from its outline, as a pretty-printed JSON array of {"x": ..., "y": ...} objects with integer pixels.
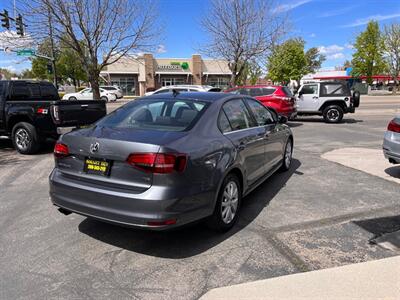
[
  {"x": 69, "y": 66},
  {"x": 40, "y": 68},
  {"x": 27, "y": 74},
  {"x": 314, "y": 60},
  {"x": 288, "y": 61},
  {"x": 241, "y": 31},
  {"x": 392, "y": 51},
  {"x": 99, "y": 31},
  {"x": 368, "y": 58}
]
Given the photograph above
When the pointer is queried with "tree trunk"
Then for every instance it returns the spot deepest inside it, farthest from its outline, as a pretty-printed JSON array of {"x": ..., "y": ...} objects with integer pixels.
[
  {"x": 94, "y": 84},
  {"x": 74, "y": 81}
]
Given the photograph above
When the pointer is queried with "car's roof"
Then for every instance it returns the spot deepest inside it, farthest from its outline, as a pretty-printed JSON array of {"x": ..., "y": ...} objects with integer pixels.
[
  {"x": 257, "y": 86},
  {"x": 201, "y": 96}
]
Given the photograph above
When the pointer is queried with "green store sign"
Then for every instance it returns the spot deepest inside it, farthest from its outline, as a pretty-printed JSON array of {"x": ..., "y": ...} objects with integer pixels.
[{"x": 174, "y": 66}]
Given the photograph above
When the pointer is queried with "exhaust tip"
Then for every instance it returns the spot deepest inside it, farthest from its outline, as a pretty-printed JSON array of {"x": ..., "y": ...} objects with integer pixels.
[{"x": 64, "y": 211}]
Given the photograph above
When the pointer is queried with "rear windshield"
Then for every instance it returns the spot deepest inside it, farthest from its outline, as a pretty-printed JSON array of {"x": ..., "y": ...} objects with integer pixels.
[
  {"x": 287, "y": 91},
  {"x": 157, "y": 114}
]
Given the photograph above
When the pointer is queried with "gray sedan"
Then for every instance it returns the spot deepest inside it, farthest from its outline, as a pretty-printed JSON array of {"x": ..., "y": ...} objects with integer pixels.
[
  {"x": 167, "y": 160},
  {"x": 391, "y": 141}
]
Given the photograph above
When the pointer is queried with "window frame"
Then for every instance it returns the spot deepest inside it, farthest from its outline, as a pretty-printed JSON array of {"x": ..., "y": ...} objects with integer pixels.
[
  {"x": 253, "y": 122},
  {"x": 246, "y": 100}
]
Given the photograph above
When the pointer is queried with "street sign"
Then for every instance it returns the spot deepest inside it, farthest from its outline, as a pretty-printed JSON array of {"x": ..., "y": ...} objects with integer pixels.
[{"x": 26, "y": 52}]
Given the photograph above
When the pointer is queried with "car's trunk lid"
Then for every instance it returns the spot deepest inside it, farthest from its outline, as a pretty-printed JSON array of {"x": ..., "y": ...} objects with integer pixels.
[{"x": 113, "y": 146}]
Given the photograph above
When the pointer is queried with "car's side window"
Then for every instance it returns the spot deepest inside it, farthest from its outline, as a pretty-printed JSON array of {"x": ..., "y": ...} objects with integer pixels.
[
  {"x": 310, "y": 89},
  {"x": 238, "y": 114},
  {"x": 261, "y": 113},
  {"x": 223, "y": 122}
]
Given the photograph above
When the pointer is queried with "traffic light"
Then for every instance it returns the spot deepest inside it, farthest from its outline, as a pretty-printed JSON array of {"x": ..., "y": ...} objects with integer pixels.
[
  {"x": 5, "y": 19},
  {"x": 19, "y": 25},
  {"x": 49, "y": 69}
]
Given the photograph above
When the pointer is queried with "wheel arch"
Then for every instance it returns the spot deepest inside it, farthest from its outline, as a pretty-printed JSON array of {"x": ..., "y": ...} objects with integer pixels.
[
  {"x": 13, "y": 120},
  {"x": 340, "y": 103}
]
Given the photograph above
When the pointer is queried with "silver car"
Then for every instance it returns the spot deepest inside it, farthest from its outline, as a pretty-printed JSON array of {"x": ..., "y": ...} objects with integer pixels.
[
  {"x": 167, "y": 160},
  {"x": 391, "y": 141}
]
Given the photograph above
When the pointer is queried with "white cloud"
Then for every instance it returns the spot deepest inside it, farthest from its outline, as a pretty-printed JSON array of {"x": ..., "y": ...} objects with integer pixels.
[
  {"x": 337, "y": 12},
  {"x": 329, "y": 50},
  {"x": 364, "y": 21},
  {"x": 349, "y": 46},
  {"x": 161, "y": 49},
  {"x": 335, "y": 56},
  {"x": 289, "y": 6},
  {"x": 313, "y": 35},
  {"x": 10, "y": 68}
]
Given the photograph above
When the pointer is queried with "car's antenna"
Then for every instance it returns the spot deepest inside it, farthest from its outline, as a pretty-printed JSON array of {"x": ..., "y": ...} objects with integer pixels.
[{"x": 175, "y": 93}]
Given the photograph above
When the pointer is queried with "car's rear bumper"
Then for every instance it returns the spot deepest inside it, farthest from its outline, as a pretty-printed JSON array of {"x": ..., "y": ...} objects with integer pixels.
[
  {"x": 350, "y": 110},
  {"x": 391, "y": 146},
  {"x": 127, "y": 208}
]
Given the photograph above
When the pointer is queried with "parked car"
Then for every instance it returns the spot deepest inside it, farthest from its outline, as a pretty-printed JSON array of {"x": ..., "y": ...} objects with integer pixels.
[
  {"x": 87, "y": 94},
  {"x": 117, "y": 91},
  {"x": 184, "y": 88},
  {"x": 31, "y": 111},
  {"x": 170, "y": 159},
  {"x": 391, "y": 141},
  {"x": 277, "y": 97},
  {"x": 330, "y": 99}
]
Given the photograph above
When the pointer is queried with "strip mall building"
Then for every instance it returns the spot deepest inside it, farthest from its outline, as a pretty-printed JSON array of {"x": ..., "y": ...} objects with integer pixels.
[{"x": 136, "y": 75}]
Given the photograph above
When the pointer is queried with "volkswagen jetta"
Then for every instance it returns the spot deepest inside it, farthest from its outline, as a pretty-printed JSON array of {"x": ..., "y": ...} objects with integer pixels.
[{"x": 167, "y": 160}]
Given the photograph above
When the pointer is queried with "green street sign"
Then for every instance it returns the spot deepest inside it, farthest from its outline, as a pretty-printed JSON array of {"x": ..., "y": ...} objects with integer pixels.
[{"x": 26, "y": 52}]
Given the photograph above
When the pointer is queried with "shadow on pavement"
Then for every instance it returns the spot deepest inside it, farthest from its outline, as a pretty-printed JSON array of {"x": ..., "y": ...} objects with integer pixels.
[
  {"x": 321, "y": 120},
  {"x": 192, "y": 239},
  {"x": 379, "y": 226},
  {"x": 393, "y": 171}
]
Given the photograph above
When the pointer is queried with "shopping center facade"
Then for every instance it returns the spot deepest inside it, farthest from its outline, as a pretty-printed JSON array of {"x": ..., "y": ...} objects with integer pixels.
[{"x": 138, "y": 74}]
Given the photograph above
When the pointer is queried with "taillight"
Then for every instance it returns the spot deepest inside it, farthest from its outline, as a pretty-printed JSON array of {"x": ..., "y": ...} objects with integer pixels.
[
  {"x": 162, "y": 163},
  {"x": 394, "y": 126},
  {"x": 61, "y": 150},
  {"x": 55, "y": 113},
  {"x": 42, "y": 111},
  {"x": 283, "y": 98}
]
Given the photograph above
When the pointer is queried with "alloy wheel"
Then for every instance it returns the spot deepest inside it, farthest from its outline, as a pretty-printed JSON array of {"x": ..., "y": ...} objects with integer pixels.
[
  {"x": 230, "y": 202},
  {"x": 22, "y": 138},
  {"x": 333, "y": 114}
]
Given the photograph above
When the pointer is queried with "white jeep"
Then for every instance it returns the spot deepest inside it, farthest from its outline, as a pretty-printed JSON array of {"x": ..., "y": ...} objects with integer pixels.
[{"x": 331, "y": 99}]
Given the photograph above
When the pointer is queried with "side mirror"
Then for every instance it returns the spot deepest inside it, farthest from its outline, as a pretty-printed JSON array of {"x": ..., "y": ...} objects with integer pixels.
[{"x": 282, "y": 119}]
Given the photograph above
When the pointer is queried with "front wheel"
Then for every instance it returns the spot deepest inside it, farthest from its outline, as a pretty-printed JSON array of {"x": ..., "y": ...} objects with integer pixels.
[
  {"x": 72, "y": 98},
  {"x": 104, "y": 98},
  {"x": 333, "y": 114},
  {"x": 25, "y": 138},
  {"x": 227, "y": 208}
]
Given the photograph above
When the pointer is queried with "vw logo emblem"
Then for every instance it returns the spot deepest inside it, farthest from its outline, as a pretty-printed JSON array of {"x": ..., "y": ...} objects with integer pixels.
[{"x": 94, "y": 147}]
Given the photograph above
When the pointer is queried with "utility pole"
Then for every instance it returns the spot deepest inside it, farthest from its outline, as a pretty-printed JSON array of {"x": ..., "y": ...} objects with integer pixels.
[{"x": 53, "y": 61}]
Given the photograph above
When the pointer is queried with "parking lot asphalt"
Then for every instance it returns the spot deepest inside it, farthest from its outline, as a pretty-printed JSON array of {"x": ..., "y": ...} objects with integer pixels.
[{"x": 320, "y": 214}]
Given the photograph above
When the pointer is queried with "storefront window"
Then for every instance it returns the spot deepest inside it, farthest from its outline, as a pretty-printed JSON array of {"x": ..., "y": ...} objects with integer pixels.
[
  {"x": 174, "y": 81},
  {"x": 126, "y": 84},
  {"x": 221, "y": 82}
]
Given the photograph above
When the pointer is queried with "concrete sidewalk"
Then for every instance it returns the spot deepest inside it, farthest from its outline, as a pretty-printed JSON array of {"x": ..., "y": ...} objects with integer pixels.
[{"x": 379, "y": 279}]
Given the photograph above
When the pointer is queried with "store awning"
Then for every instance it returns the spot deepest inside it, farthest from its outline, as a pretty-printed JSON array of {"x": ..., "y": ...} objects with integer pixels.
[{"x": 172, "y": 73}]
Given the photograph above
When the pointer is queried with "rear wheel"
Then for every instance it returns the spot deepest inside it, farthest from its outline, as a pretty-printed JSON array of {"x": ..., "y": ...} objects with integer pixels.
[
  {"x": 25, "y": 138},
  {"x": 227, "y": 208},
  {"x": 72, "y": 98},
  {"x": 104, "y": 98},
  {"x": 333, "y": 114},
  {"x": 287, "y": 157}
]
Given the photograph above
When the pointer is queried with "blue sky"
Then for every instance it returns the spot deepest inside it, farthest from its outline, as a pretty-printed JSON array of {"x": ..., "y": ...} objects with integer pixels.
[{"x": 331, "y": 25}]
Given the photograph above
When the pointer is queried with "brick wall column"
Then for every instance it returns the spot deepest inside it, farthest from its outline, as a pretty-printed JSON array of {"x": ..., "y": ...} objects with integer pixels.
[
  {"x": 150, "y": 71},
  {"x": 197, "y": 69}
]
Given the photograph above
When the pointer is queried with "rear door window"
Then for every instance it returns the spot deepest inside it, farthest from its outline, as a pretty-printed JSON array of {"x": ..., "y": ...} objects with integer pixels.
[
  {"x": 268, "y": 91},
  {"x": 262, "y": 115},
  {"x": 238, "y": 115},
  {"x": 20, "y": 91},
  {"x": 48, "y": 91},
  {"x": 223, "y": 122},
  {"x": 255, "y": 92}
]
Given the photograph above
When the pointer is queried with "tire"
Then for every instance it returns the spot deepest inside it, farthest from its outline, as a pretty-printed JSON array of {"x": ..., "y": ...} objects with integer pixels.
[
  {"x": 222, "y": 219},
  {"x": 287, "y": 156},
  {"x": 25, "y": 138},
  {"x": 104, "y": 98},
  {"x": 333, "y": 114},
  {"x": 72, "y": 98},
  {"x": 356, "y": 98}
]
